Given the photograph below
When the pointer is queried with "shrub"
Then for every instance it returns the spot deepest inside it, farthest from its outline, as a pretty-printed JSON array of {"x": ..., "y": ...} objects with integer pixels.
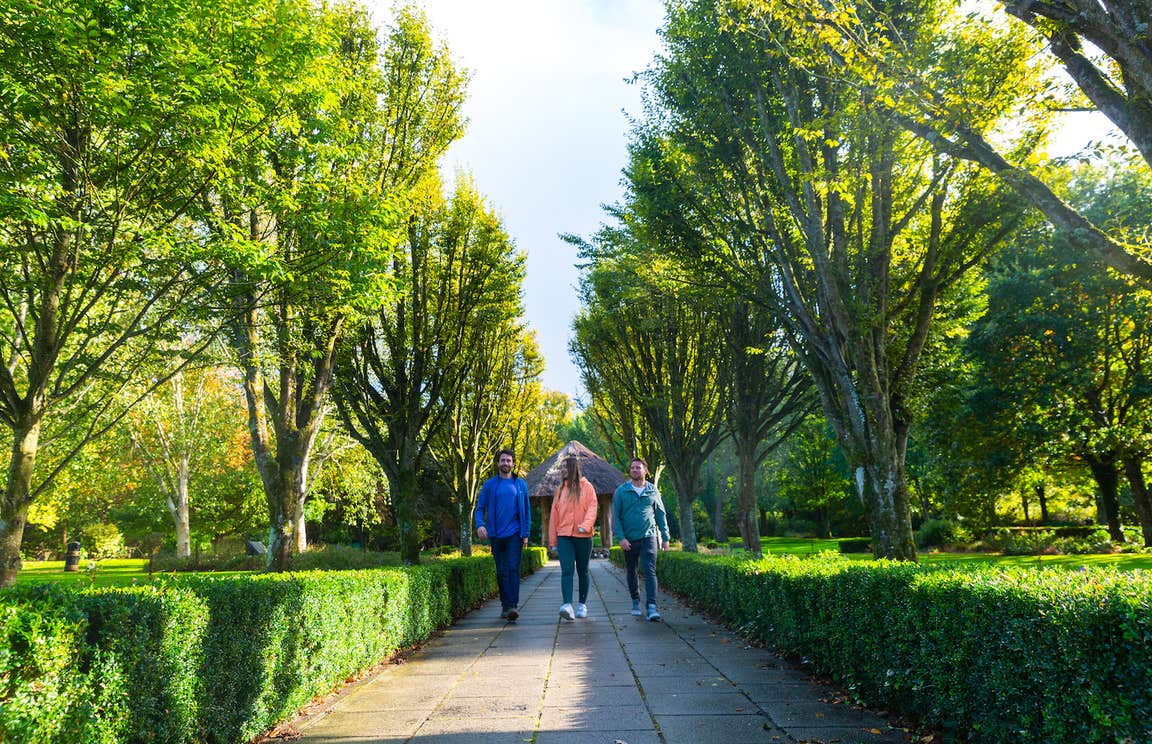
[
  {"x": 938, "y": 532},
  {"x": 102, "y": 541},
  {"x": 990, "y": 655},
  {"x": 207, "y": 659},
  {"x": 855, "y": 545}
]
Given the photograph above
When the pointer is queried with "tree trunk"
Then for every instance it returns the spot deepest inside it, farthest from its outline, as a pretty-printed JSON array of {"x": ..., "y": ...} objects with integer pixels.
[
  {"x": 1024, "y": 505},
  {"x": 884, "y": 493},
  {"x": 17, "y": 499},
  {"x": 301, "y": 530},
  {"x": 1042, "y": 499},
  {"x": 685, "y": 491},
  {"x": 1134, "y": 471},
  {"x": 1108, "y": 481},
  {"x": 746, "y": 514},
  {"x": 465, "y": 510},
  {"x": 405, "y": 504},
  {"x": 284, "y": 502},
  {"x": 179, "y": 510}
]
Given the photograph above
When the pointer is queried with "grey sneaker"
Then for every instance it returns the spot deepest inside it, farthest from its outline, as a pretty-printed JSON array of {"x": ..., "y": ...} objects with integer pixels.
[
  {"x": 581, "y": 609},
  {"x": 504, "y": 614},
  {"x": 512, "y": 615},
  {"x": 653, "y": 615},
  {"x": 566, "y": 612},
  {"x": 636, "y": 608}
]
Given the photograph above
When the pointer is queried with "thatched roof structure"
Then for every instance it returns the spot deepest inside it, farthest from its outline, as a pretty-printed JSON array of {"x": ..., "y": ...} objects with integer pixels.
[{"x": 545, "y": 477}]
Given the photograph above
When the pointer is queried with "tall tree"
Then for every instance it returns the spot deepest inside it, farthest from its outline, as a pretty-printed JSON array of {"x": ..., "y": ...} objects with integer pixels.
[
  {"x": 771, "y": 396},
  {"x": 404, "y": 373},
  {"x": 1099, "y": 45},
  {"x": 115, "y": 118},
  {"x": 506, "y": 361},
  {"x": 323, "y": 199},
  {"x": 1066, "y": 346},
  {"x": 661, "y": 345},
  {"x": 176, "y": 430},
  {"x": 799, "y": 190}
]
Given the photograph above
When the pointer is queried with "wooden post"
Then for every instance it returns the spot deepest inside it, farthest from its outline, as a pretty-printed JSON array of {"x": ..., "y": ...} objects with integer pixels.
[
  {"x": 605, "y": 506},
  {"x": 545, "y": 513}
]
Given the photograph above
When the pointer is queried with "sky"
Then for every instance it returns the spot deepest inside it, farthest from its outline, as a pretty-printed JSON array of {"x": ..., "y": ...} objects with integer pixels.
[
  {"x": 547, "y": 131},
  {"x": 548, "y": 109}
]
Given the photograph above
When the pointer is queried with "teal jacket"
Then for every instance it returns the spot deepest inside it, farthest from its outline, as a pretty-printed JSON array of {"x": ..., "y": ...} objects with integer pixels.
[{"x": 638, "y": 515}]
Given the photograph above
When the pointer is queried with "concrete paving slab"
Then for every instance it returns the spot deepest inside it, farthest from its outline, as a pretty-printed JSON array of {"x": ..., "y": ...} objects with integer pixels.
[
  {"x": 609, "y": 678},
  {"x": 746, "y": 729},
  {"x": 648, "y": 736},
  {"x": 557, "y": 696},
  {"x": 702, "y": 703},
  {"x": 595, "y": 718}
]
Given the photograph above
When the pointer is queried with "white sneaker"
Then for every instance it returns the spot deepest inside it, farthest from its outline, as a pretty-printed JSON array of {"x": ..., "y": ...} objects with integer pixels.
[
  {"x": 581, "y": 609},
  {"x": 566, "y": 612},
  {"x": 636, "y": 608},
  {"x": 653, "y": 614}
]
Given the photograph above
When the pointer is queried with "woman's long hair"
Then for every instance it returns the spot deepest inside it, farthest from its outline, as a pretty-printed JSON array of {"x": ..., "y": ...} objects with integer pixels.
[{"x": 572, "y": 476}]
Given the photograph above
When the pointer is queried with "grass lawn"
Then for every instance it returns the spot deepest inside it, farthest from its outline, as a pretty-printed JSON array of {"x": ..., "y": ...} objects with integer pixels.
[
  {"x": 109, "y": 572},
  {"x": 812, "y": 546},
  {"x": 129, "y": 571}
]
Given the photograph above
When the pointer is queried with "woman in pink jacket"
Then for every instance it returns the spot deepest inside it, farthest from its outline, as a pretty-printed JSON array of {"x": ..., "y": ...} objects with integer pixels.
[{"x": 570, "y": 534}]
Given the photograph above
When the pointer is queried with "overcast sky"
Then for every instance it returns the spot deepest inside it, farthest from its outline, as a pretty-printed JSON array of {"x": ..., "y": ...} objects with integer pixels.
[{"x": 547, "y": 132}]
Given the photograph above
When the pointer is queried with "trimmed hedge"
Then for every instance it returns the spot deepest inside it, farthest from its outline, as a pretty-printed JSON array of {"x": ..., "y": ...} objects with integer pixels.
[
  {"x": 199, "y": 659},
  {"x": 989, "y": 655}
]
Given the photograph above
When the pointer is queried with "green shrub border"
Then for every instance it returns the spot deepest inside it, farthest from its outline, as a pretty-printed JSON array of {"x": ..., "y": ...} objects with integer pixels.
[
  {"x": 987, "y": 655},
  {"x": 198, "y": 659}
]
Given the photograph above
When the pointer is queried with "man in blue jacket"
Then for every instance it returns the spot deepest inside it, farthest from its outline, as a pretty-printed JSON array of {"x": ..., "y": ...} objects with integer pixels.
[
  {"x": 503, "y": 518},
  {"x": 640, "y": 525}
]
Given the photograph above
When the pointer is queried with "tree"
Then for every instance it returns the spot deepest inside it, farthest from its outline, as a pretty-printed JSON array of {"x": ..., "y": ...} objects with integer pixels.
[
  {"x": 176, "y": 430},
  {"x": 316, "y": 213},
  {"x": 112, "y": 129},
  {"x": 1067, "y": 345},
  {"x": 659, "y": 345},
  {"x": 800, "y": 191},
  {"x": 811, "y": 475},
  {"x": 771, "y": 395},
  {"x": 507, "y": 361},
  {"x": 1094, "y": 43},
  {"x": 405, "y": 373}
]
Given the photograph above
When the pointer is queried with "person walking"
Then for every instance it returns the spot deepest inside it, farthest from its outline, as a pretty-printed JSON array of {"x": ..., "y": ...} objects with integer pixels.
[
  {"x": 504, "y": 520},
  {"x": 570, "y": 534},
  {"x": 639, "y": 521}
]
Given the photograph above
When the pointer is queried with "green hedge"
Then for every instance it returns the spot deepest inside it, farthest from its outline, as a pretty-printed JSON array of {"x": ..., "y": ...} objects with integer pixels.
[
  {"x": 212, "y": 660},
  {"x": 988, "y": 655}
]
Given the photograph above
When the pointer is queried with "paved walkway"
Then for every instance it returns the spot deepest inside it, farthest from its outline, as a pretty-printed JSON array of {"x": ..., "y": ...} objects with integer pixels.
[{"x": 609, "y": 678}]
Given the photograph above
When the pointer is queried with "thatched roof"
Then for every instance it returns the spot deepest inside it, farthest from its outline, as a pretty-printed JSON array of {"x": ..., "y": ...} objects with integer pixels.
[{"x": 545, "y": 477}]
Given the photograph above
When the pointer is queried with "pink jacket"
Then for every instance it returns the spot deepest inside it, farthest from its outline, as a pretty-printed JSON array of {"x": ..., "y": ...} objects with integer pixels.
[{"x": 569, "y": 514}]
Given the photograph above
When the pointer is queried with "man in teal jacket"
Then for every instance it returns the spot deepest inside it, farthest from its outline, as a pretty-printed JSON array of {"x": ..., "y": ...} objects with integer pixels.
[{"x": 638, "y": 522}]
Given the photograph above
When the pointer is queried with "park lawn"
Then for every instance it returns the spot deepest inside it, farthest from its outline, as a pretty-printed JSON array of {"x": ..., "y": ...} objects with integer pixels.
[
  {"x": 129, "y": 571},
  {"x": 812, "y": 546},
  {"x": 108, "y": 572}
]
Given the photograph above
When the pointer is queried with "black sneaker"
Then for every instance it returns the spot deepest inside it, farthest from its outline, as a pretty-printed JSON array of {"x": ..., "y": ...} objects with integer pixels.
[{"x": 512, "y": 615}]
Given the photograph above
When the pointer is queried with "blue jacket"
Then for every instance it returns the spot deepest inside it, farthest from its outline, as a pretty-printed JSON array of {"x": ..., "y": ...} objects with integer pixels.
[{"x": 502, "y": 507}]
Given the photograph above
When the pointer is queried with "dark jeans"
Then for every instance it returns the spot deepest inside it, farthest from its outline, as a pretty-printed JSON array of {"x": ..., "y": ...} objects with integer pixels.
[
  {"x": 643, "y": 551},
  {"x": 506, "y": 553},
  {"x": 574, "y": 553}
]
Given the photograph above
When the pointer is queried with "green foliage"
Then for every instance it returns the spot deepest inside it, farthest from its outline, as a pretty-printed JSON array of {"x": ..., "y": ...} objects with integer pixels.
[
  {"x": 987, "y": 655},
  {"x": 937, "y": 532},
  {"x": 212, "y": 659},
  {"x": 102, "y": 541}
]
